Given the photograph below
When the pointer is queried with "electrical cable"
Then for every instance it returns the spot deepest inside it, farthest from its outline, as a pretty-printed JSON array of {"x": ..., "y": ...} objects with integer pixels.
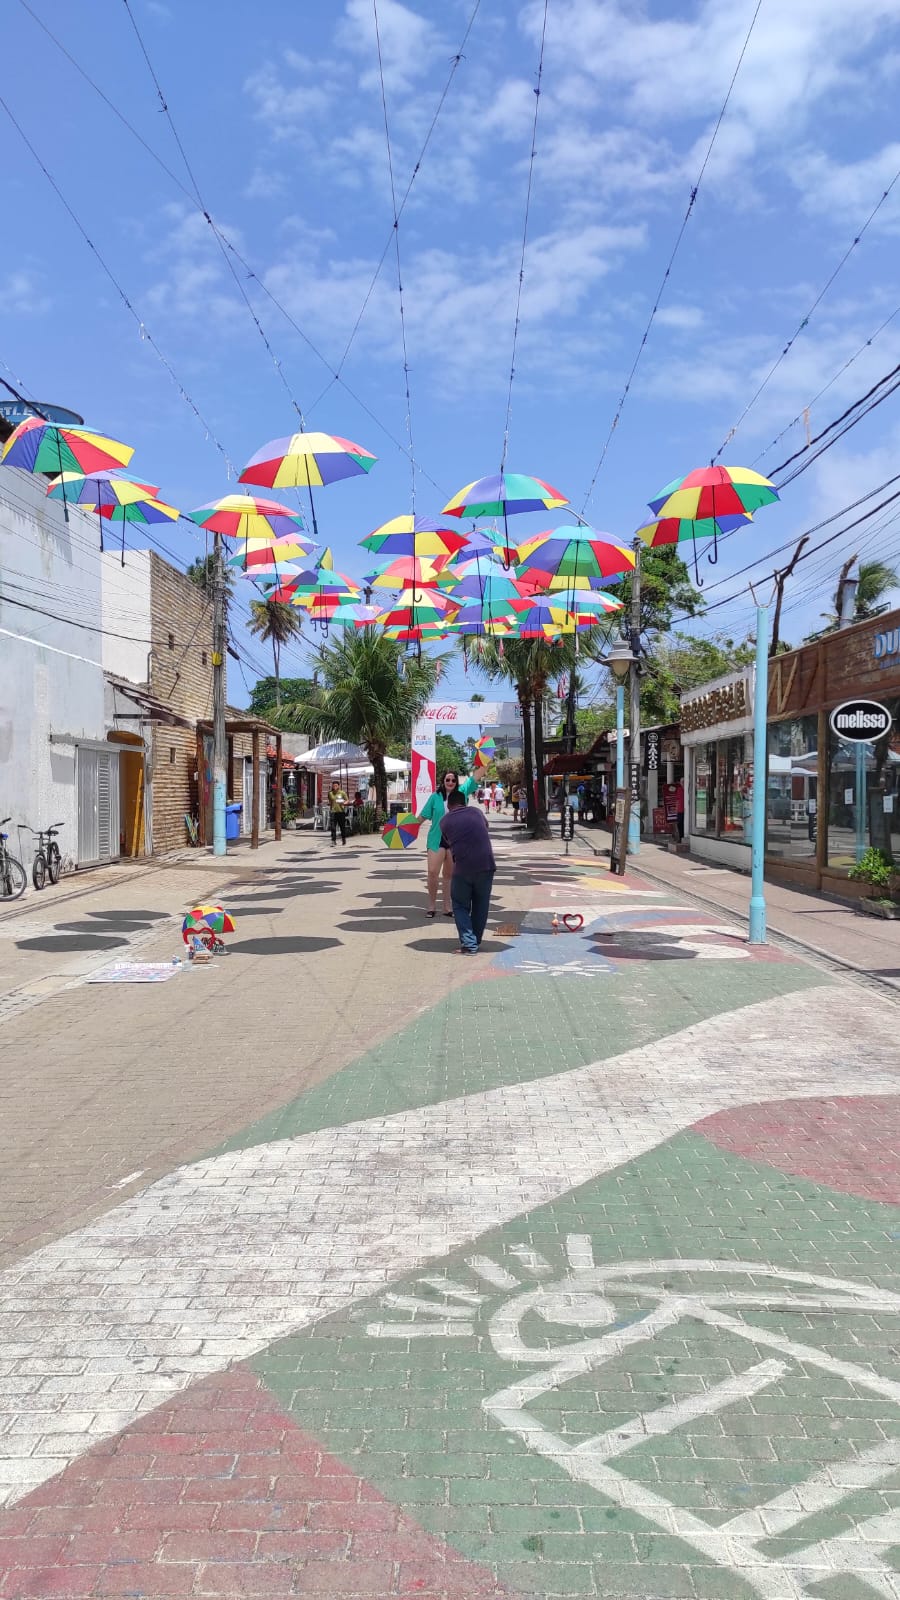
[
  {"x": 671, "y": 262},
  {"x": 142, "y": 328},
  {"x": 521, "y": 280},
  {"x": 830, "y": 384},
  {"x": 805, "y": 321},
  {"x": 335, "y": 377},
  {"x": 872, "y": 405},
  {"x": 396, "y": 231},
  {"x": 454, "y": 63},
  {"x": 164, "y": 105}
]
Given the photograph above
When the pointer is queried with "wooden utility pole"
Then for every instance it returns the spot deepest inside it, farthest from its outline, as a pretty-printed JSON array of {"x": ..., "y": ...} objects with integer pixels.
[{"x": 781, "y": 577}]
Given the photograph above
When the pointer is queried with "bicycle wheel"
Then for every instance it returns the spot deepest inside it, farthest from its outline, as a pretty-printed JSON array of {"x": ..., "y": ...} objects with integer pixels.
[
  {"x": 12, "y": 878},
  {"x": 39, "y": 870},
  {"x": 54, "y": 863}
]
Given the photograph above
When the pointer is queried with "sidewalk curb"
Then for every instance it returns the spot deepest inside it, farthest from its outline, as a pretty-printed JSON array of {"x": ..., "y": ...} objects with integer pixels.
[{"x": 790, "y": 940}]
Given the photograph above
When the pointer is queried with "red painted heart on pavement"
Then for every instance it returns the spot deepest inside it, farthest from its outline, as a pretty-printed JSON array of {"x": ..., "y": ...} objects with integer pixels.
[{"x": 572, "y": 921}]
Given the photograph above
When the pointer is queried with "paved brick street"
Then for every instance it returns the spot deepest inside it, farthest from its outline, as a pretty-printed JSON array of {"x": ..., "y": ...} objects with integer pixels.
[{"x": 347, "y": 1267}]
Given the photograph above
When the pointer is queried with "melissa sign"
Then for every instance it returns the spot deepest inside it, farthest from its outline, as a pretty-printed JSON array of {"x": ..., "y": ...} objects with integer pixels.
[{"x": 861, "y": 721}]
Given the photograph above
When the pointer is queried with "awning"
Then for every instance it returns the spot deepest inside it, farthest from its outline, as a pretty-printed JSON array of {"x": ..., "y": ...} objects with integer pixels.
[{"x": 151, "y": 708}]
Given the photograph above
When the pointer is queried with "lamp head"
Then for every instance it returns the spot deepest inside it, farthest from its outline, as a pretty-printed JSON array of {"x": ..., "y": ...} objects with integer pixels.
[{"x": 619, "y": 659}]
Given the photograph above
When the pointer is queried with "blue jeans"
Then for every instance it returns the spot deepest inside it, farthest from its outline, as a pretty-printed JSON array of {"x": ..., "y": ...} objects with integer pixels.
[{"x": 470, "y": 896}]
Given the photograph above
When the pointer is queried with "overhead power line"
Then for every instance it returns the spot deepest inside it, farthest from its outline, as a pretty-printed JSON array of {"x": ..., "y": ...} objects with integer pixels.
[
  {"x": 396, "y": 232},
  {"x": 335, "y": 376},
  {"x": 143, "y": 330},
  {"x": 521, "y": 279},
  {"x": 692, "y": 200},
  {"x": 804, "y": 323}
]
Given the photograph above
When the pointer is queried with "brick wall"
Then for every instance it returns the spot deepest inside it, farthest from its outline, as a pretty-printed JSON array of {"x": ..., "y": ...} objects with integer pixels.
[{"x": 181, "y": 676}]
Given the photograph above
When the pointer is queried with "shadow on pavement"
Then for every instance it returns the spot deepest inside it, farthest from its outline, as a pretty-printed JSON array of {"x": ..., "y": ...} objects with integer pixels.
[
  {"x": 70, "y": 941},
  {"x": 287, "y": 945},
  {"x": 443, "y": 947},
  {"x": 126, "y": 916},
  {"x": 254, "y": 910}
]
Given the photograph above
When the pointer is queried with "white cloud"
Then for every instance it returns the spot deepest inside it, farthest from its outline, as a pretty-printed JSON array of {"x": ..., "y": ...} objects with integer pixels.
[
  {"x": 408, "y": 42},
  {"x": 849, "y": 190},
  {"x": 685, "y": 319},
  {"x": 286, "y": 106},
  {"x": 21, "y": 294}
]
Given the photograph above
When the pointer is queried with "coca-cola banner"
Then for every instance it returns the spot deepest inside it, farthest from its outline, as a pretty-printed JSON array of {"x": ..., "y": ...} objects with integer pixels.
[
  {"x": 423, "y": 778},
  {"x": 474, "y": 713}
]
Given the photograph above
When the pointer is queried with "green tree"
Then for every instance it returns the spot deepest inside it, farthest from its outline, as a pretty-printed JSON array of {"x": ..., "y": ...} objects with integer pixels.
[
  {"x": 683, "y": 662},
  {"x": 370, "y": 693},
  {"x": 262, "y": 695},
  {"x": 202, "y": 573},
  {"x": 451, "y": 757},
  {"x": 876, "y": 581},
  {"x": 277, "y": 623},
  {"x": 666, "y": 592}
]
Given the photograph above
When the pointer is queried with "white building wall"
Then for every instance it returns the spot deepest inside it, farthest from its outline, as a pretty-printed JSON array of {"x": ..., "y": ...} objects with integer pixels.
[
  {"x": 126, "y": 614},
  {"x": 51, "y": 676}
]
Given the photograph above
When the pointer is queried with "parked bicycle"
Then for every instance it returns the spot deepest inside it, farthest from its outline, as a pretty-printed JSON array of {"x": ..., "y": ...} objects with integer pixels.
[
  {"x": 47, "y": 861},
  {"x": 12, "y": 872}
]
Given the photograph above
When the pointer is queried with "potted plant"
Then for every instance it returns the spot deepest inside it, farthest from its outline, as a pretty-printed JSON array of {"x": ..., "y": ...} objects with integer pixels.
[{"x": 877, "y": 869}]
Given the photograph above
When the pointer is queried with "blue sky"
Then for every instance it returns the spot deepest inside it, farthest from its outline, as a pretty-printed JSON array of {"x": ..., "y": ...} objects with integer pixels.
[{"x": 279, "y": 110}]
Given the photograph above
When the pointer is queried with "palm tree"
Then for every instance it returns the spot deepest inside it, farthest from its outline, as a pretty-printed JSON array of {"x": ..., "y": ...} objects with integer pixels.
[
  {"x": 275, "y": 621},
  {"x": 876, "y": 580},
  {"x": 371, "y": 694},
  {"x": 202, "y": 573}
]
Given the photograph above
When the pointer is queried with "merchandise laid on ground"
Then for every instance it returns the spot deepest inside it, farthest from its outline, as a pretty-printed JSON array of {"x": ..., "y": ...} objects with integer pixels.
[{"x": 568, "y": 1270}]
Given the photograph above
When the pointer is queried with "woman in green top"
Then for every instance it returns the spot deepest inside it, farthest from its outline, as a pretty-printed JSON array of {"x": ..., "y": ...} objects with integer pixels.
[{"x": 440, "y": 865}]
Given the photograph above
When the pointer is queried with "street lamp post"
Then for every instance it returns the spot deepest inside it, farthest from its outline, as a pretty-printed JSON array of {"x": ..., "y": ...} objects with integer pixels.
[{"x": 620, "y": 661}]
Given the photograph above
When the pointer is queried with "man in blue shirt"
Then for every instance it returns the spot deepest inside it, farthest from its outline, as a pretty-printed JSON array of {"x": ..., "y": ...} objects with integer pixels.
[{"x": 465, "y": 834}]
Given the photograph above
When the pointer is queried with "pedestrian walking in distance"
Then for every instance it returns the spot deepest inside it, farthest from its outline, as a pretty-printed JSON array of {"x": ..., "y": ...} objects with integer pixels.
[
  {"x": 465, "y": 834},
  {"x": 337, "y": 801}
]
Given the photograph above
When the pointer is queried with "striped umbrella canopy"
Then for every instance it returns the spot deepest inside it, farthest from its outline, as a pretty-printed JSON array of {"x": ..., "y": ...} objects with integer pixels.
[
  {"x": 714, "y": 492},
  {"x": 39, "y": 446},
  {"x": 572, "y": 558},
  {"x": 307, "y": 461},
  {"x": 470, "y": 620},
  {"x": 424, "y": 538},
  {"x": 504, "y": 494},
  {"x": 258, "y": 555},
  {"x": 547, "y": 618},
  {"x": 417, "y": 608},
  {"x": 246, "y": 516},
  {"x": 411, "y": 572},
  {"x": 115, "y": 497},
  {"x": 678, "y": 530}
]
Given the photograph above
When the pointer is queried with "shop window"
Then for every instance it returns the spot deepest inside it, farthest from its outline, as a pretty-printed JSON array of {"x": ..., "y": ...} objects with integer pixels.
[
  {"x": 703, "y": 809},
  {"x": 864, "y": 795},
  {"x": 791, "y": 789}
]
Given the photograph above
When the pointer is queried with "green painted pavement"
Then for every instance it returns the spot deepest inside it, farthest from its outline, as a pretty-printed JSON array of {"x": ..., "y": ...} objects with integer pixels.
[
  {"x": 515, "y": 1029},
  {"x": 405, "y": 1410}
]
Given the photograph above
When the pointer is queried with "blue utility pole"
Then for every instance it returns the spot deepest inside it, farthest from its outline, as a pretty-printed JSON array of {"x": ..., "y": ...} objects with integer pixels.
[
  {"x": 620, "y": 735},
  {"x": 760, "y": 780}
]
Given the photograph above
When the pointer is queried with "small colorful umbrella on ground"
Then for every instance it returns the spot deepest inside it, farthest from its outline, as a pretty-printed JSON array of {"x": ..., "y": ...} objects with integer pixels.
[
  {"x": 115, "y": 496},
  {"x": 504, "y": 494},
  {"x": 401, "y": 831},
  {"x": 422, "y": 537},
  {"x": 246, "y": 516},
  {"x": 207, "y": 919}
]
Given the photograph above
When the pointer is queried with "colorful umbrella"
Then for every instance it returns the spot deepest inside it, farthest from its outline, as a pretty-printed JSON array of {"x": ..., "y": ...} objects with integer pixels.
[
  {"x": 714, "y": 492},
  {"x": 401, "y": 831},
  {"x": 307, "y": 460},
  {"x": 503, "y": 495},
  {"x": 546, "y": 618},
  {"x": 207, "y": 919},
  {"x": 116, "y": 497},
  {"x": 485, "y": 751},
  {"x": 245, "y": 516},
  {"x": 469, "y": 620},
  {"x": 677, "y": 530},
  {"x": 418, "y": 608},
  {"x": 572, "y": 558},
  {"x": 261, "y": 555},
  {"x": 411, "y": 572},
  {"x": 40, "y": 446},
  {"x": 423, "y": 537}
]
